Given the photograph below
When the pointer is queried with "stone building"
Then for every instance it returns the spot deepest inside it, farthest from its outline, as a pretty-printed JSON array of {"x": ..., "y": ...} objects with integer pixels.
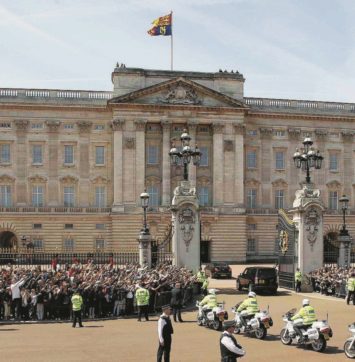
[{"x": 73, "y": 163}]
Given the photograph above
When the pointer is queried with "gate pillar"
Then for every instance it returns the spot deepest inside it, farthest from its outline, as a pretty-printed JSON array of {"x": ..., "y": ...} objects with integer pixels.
[{"x": 308, "y": 212}]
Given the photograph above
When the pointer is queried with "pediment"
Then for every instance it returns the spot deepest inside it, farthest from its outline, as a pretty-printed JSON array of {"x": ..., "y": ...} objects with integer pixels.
[{"x": 179, "y": 91}]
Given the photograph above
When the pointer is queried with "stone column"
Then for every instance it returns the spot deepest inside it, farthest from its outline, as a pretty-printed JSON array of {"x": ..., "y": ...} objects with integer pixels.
[
  {"x": 21, "y": 161},
  {"x": 53, "y": 163},
  {"x": 294, "y": 136},
  {"x": 117, "y": 127},
  {"x": 84, "y": 162},
  {"x": 145, "y": 249},
  {"x": 348, "y": 167},
  {"x": 266, "y": 167},
  {"x": 239, "y": 130},
  {"x": 166, "y": 184},
  {"x": 140, "y": 158},
  {"x": 319, "y": 177},
  {"x": 218, "y": 164},
  {"x": 192, "y": 125}
]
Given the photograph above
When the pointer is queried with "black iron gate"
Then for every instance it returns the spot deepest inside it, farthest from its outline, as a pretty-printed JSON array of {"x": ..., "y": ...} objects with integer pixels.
[
  {"x": 287, "y": 250},
  {"x": 331, "y": 249}
]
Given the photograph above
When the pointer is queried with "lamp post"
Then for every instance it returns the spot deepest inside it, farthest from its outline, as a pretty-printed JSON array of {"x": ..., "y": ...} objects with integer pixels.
[
  {"x": 144, "y": 239},
  {"x": 344, "y": 237},
  {"x": 308, "y": 158},
  {"x": 186, "y": 154}
]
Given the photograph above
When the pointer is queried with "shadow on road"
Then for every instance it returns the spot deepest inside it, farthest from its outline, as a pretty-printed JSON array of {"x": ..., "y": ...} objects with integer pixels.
[
  {"x": 93, "y": 326},
  {"x": 333, "y": 350},
  {"x": 8, "y": 329}
]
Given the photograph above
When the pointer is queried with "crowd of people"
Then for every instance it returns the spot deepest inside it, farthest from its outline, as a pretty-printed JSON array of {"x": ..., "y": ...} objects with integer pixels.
[
  {"x": 44, "y": 293},
  {"x": 331, "y": 280}
]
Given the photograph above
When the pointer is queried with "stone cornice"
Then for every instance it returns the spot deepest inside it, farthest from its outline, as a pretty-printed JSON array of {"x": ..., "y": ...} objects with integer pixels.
[
  {"x": 37, "y": 179},
  {"x": 321, "y": 134},
  {"x": 266, "y": 132},
  {"x": 117, "y": 124},
  {"x": 53, "y": 125},
  {"x": 69, "y": 179},
  {"x": 7, "y": 179},
  {"x": 84, "y": 126},
  {"x": 294, "y": 133},
  {"x": 347, "y": 135}
]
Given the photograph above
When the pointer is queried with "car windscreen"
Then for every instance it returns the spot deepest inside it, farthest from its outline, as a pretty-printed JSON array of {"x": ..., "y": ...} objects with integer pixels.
[{"x": 267, "y": 273}]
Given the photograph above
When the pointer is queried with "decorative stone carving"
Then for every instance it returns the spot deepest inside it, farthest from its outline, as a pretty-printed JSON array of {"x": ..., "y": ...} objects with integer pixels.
[
  {"x": 312, "y": 220},
  {"x": 239, "y": 128},
  {"x": 140, "y": 124},
  {"x": 129, "y": 142},
  {"x": 228, "y": 146},
  {"x": 252, "y": 182},
  {"x": 99, "y": 180},
  {"x": 37, "y": 179},
  {"x": 304, "y": 196},
  {"x": 6, "y": 179},
  {"x": 294, "y": 133},
  {"x": 181, "y": 94},
  {"x": 84, "y": 126},
  {"x": 333, "y": 184},
  {"x": 266, "y": 132},
  {"x": 53, "y": 125},
  {"x": 69, "y": 179},
  {"x": 117, "y": 124},
  {"x": 184, "y": 191},
  {"x": 217, "y": 127},
  {"x": 347, "y": 135},
  {"x": 192, "y": 124},
  {"x": 187, "y": 220},
  {"x": 279, "y": 183},
  {"x": 21, "y": 124},
  {"x": 321, "y": 134},
  {"x": 166, "y": 125}
]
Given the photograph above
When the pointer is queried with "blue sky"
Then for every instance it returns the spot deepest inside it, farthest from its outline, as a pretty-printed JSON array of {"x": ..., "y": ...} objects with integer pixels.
[{"x": 302, "y": 49}]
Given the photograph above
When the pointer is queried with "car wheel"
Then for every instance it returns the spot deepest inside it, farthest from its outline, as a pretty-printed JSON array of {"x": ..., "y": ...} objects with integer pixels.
[
  {"x": 274, "y": 292},
  {"x": 239, "y": 287}
]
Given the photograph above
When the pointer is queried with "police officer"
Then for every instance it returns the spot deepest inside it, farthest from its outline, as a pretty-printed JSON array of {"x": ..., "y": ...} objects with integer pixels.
[
  {"x": 77, "y": 304},
  {"x": 351, "y": 289},
  {"x": 308, "y": 316},
  {"x": 201, "y": 277},
  {"x": 230, "y": 349},
  {"x": 250, "y": 305},
  {"x": 142, "y": 299},
  {"x": 209, "y": 301},
  {"x": 298, "y": 280},
  {"x": 165, "y": 330}
]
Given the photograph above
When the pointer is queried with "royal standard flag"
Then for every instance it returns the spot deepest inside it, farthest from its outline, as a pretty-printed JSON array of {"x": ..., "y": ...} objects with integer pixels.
[{"x": 161, "y": 26}]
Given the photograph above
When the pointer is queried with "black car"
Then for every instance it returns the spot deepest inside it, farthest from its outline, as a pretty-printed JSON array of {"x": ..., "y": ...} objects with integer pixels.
[
  {"x": 258, "y": 279},
  {"x": 218, "y": 270}
]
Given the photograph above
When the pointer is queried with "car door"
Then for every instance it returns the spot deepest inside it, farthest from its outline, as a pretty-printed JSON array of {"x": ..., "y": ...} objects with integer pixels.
[{"x": 243, "y": 278}]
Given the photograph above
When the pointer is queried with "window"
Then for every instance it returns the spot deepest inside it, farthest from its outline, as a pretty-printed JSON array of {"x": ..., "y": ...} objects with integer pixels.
[
  {"x": 5, "y": 156},
  {"x": 153, "y": 196},
  {"x": 68, "y": 154},
  {"x": 333, "y": 162},
  {"x": 69, "y": 244},
  {"x": 37, "y": 196},
  {"x": 280, "y": 160},
  {"x": 100, "y": 226},
  {"x": 99, "y": 244},
  {"x": 251, "y": 246},
  {"x": 5, "y": 196},
  {"x": 203, "y": 196},
  {"x": 37, "y": 243},
  {"x": 252, "y": 132},
  {"x": 251, "y": 159},
  {"x": 69, "y": 126},
  {"x": 100, "y": 155},
  {"x": 251, "y": 226},
  {"x": 69, "y": 196},
  {"x": 152, "y": 155},
  {"x": 279, "y": 133},
  {"x": 100, "y": 196},
  {"x": 99, "y": 127},
  {"x": 204, "y": 156},
  {"x": 68, "y": 226},
  {"x": 333, "y": 200},
  {"x": 37, "y": 154},
  {"x": 279, "y": 199},
  {"x": 251, "y": 199},
  {"x": 37, "y": 125},
  {"x": 37, "y": 226},
  {"x": 5, "y": 125}
]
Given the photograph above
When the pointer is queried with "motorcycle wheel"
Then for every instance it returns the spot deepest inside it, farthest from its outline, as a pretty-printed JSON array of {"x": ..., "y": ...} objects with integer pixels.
[
  {"x": 285, "y": 337},
  {"x": 350, "y": 353},
  {"x": 217, "y": 325},
  {"x": 319, "y": 344},
  {"x": 260, "y": 333},
  {"x": 236, "y": 330},
  {"x": 199, "y": 321}
]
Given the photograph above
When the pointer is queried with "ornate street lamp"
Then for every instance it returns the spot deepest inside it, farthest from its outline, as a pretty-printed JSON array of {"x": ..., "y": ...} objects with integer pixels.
[
  {"x": 186, "y": 154},
  {"x": 144, "y": 203},
  {"x": 308, "y": 158},
  {"x": 344, "y": 200}
]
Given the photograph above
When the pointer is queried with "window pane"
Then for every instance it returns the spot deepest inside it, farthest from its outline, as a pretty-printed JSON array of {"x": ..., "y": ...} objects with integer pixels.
[
  {"x": 5, "y": 196},
  {"x": 333, "y": 200},
  {"x": 251, "y": 246},
  {"x": 69, "y": 196},
  {"x": 153, "y": 195},
  {"x": 251, "y": 199},
  {"x": 37, "y": 243},
  {"x": 333, "y": 162},
  {"x": 204, "y": 156},
  {"x": 279, "y": 199},
  {"x": 5, "y": 154},
  {"x": 100, "y": 196},
  {"x": 99, "y": 244},
  {"x": 251, "y": 159},
  {"x": 37, "y": 154},
  {"x": 37, "y": 196},
  {"x": 280, "y": 160},
  {"x": 100, "y": 155},
  {"x": 69, "y": 244},
  {"x": 68, "y": 154},
  {"x": 152, "y": 155},
  {"x": 203, "y": 196}
]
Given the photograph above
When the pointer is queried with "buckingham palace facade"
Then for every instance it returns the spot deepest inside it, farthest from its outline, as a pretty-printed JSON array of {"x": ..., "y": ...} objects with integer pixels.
[{"x": 74, "y": 163}]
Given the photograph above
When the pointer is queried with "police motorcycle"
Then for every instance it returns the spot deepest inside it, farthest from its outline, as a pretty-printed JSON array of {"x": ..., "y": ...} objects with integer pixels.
[
  {"x": 212, "y": 318},
  {"x": 349, "y": 346},
  {"x": 317, "y": 334},
  {"x": 257, "y": 325}
]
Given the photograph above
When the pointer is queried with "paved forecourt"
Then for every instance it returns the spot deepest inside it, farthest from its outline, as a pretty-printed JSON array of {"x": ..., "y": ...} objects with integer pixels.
[{"x": 127, "y": 340}]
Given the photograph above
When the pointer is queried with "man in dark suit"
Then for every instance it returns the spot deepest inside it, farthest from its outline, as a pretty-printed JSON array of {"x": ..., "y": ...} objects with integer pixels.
[
  {"x": 177, "y": 296},
  {"x": 165, "y": 330}
]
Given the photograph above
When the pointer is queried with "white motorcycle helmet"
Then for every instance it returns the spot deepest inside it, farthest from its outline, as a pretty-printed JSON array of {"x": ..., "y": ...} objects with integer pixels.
[
  {"x": 252, "y": 294},
  {"x": 212, "y": 291},
  {"x": 305, "y": 302}
]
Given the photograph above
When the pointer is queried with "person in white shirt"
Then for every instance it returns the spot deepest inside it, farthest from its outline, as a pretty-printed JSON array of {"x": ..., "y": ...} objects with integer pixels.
[
  {"x": 16, "y": 297},
  {"x": 230, "y": 349}
]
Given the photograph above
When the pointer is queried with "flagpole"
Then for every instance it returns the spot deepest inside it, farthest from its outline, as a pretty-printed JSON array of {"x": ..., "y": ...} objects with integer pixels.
[{"x": 171, "y": 43}]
